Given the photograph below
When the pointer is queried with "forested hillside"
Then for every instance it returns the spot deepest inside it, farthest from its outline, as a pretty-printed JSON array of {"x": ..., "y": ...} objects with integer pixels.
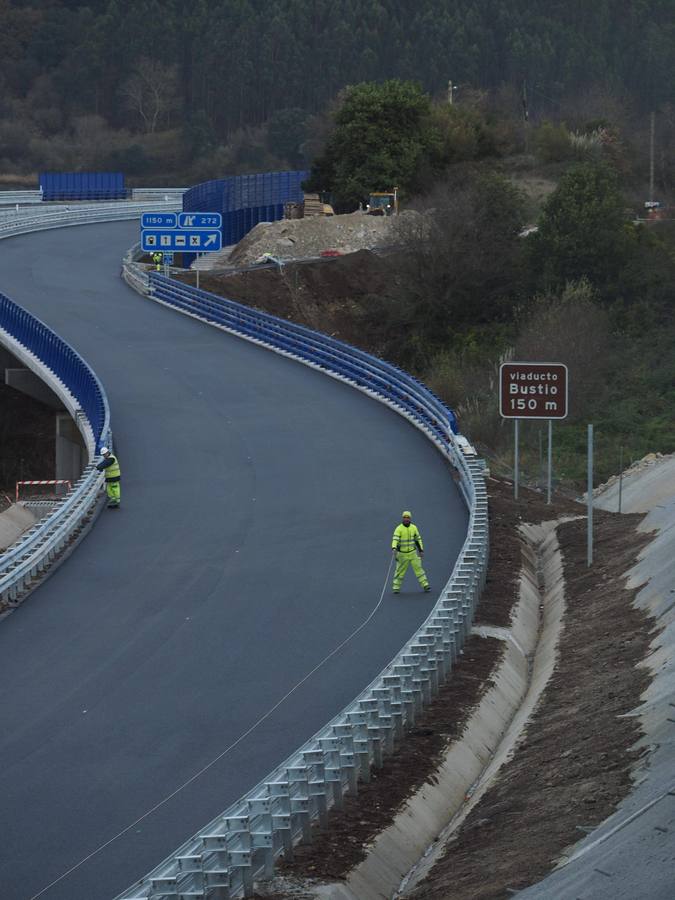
[{"x": 85, "y": 78}]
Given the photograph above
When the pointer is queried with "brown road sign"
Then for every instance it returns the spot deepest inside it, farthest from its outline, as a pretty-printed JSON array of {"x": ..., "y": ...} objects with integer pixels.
[{"x": 533, "y": 390}]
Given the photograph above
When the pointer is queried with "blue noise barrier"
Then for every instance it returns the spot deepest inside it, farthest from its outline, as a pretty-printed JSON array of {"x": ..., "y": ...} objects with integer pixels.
[
  {"x": 245, "y": 200},
  {"x": 82, "y": 186},
  {"x": 61, "y": 359}
]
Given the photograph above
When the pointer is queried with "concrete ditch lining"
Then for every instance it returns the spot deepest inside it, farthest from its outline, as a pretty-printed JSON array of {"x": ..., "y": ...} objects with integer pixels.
[{"x": 404, "y": 853}]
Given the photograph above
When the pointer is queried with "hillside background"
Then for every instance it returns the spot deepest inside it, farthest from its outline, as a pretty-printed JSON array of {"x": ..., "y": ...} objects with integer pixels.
[
  {"x": 496, "y": 119},
  {"x": 166, "y": 91}
]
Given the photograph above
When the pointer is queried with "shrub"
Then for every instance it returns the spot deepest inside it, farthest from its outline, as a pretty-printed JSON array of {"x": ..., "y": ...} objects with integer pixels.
[{"x": 553, "y": 143}]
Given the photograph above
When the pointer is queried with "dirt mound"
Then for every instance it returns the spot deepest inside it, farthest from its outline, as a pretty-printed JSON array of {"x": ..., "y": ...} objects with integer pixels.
[
  {"x": 299, "y": 238},
  {"x": 323, "y": 295}
]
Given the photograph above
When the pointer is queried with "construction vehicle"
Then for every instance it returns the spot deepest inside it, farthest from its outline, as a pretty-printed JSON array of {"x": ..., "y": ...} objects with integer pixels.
[
  {"x": 311, "y": 205},
  {"x": 383, "y": 203},
  {"x": 314, "y": 205}
]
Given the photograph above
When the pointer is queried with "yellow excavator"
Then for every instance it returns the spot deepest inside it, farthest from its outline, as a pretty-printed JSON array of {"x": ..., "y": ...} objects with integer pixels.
[{"x": 383, "y": 203}]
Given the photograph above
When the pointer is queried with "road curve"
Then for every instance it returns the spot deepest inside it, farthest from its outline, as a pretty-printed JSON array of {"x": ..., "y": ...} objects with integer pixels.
[{"x": 258, "y": 501}]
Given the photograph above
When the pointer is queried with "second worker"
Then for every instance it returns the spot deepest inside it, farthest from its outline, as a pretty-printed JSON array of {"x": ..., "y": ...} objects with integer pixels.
[{"x": 408, "y": 550}]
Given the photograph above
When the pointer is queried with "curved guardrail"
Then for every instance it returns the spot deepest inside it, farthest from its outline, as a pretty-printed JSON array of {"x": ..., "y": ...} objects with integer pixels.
[
  {"x": 40, "y": 218},
  {"x": 69, "y": 376},
  {"x": 136, "y": 275},
  {"x": 223, "y": 859},
  {"x": 25, "y": 197}
]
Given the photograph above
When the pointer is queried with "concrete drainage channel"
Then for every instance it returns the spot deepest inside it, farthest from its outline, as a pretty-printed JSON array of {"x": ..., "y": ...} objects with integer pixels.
[{"x": 404, "y": 853}]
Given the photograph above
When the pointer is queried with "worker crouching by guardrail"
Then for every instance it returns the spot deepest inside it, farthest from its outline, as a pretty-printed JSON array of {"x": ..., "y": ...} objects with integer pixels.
[
  {"x": 408, "y": 548},
  {"x": 110, "y": 464}
]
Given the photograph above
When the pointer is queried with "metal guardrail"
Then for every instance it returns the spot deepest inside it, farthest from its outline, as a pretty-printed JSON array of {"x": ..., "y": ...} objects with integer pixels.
[
  {"x": 24, "y": 198},
  {"x": 20, "y": 197},
  {"x": 27, "y": 559},
  {"x": 14, "y": 222},
  {"x": 173, "y": 193},
  {"x": 135, "y": 275},
  {"x": 222, "y": 860}
]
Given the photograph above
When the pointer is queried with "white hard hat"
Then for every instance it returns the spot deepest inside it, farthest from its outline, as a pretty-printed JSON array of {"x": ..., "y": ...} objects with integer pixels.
[{"x": 104, "y": 450}]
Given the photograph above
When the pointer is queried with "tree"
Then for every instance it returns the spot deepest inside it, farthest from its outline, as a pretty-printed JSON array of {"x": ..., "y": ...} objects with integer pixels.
[
  {"x": 199, "y": 138},
  {"x": 151, "y": 92},
  {"x": 583, "y": 231},
  {"x": 462, "y": 273},
  {"x": 286, "y": 132},
  {"x": 381, "y": 140},
  {"x": 572, "y": 329},
  {"x": 552, "y": 142}
]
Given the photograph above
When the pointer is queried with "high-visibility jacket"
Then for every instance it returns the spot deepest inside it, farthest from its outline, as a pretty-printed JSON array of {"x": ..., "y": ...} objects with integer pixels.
[
  {"x": 406, "y": 539},
  {"x": 111, "y": 467}
]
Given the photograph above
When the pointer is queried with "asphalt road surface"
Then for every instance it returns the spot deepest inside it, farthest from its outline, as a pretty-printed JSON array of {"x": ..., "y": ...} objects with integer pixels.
[{"x": 258, "y": 501}]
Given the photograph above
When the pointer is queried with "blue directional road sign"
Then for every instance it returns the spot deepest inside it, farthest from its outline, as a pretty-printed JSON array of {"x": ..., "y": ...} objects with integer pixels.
[
  {"x": 198, "y": 232},
  {"x": 159, "y": 220},
  {"x": 195, "y": 240},
  {"x": 200, "y": 220}
]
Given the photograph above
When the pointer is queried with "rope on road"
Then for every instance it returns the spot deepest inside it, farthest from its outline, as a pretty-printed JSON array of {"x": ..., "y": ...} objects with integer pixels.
[{"x": 227, "y": 749}]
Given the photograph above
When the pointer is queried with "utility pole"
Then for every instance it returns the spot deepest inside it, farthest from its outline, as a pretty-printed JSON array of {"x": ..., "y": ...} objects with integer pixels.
[
  {"x": 652, "y": 128},
  {"x": 516, "y": 457},
  {"x": 589, "y": 489},
  {"x": 526, "y": 116}
]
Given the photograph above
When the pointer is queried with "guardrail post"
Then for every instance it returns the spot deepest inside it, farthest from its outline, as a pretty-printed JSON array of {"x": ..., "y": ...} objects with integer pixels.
[
  {"x": 357, "y": 722},
  {"x": 334, "y": 768},
  {"x": 394, "y": 683},
  {"x": 316, "y": 785},
  {"x": 344, "y": 733},
  {"x": 448, "y": 620},
  {"x": 408, "y": 695}
]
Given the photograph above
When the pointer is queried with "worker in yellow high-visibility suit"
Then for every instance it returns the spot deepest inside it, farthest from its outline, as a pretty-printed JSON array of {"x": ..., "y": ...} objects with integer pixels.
[
  {"x": 408, "y": 548},
  {"x": 113, "y": 475}
]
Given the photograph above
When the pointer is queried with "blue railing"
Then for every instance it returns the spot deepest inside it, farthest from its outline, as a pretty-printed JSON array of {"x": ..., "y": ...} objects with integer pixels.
[
  {"x": 325, "y": 352},
  {"x": 70, "y": 377},
  {"x": 62, "y": 360}
]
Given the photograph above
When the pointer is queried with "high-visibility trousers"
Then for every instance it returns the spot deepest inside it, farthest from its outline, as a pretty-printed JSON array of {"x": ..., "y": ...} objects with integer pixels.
[
  {"x": 403, "y": 560},
  {"x": 113, "y": 491}
]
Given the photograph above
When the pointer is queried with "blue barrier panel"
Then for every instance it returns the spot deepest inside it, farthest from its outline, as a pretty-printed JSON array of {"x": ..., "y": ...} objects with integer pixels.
[
  {"x": 82, "y": 186},
  {"x": 245, "y": 200},
  {"x": 61, "y": 359}
]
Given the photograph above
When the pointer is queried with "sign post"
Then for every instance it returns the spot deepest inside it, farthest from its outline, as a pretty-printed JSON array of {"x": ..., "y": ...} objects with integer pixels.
[
  {"x": 550, "y": 461},
  {"x": 516, "y": 457},
  {"x": 533, "y": 390},
  {"x": 589, "y": 533}
]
